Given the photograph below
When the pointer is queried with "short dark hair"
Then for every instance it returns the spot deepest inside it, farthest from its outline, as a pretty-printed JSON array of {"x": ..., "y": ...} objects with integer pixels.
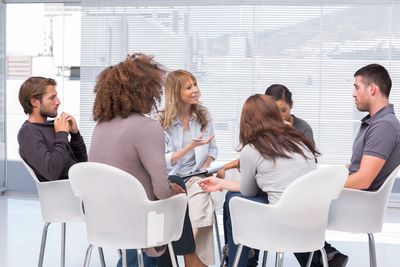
[
  {"x": 33, "y": 87},
  {"x": 375, "y": 73},
  {"x": 280, "y": 92}
]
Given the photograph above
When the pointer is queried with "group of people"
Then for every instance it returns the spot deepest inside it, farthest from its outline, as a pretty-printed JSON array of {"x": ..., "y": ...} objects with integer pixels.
[{"x": 155, "y": 146}]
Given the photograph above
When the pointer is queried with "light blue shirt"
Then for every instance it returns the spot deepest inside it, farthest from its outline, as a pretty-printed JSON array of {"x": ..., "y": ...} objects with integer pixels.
[{"x": 174, "y": 142}]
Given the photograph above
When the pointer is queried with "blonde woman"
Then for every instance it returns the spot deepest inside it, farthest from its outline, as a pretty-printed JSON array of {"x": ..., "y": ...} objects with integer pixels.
[{"x": 190, "y": 146}]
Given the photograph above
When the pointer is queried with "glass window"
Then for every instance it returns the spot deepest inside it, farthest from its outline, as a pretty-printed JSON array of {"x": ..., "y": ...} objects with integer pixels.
[{"x": 236, "y": 50}]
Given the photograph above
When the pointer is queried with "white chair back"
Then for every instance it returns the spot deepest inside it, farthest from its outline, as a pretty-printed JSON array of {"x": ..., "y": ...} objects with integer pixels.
[
  {"x": 117, "y": 211},
  {"x": 297, "y": 222},
  {"x": 360, "y": 211},
  {"x": 57, "y": 201}
]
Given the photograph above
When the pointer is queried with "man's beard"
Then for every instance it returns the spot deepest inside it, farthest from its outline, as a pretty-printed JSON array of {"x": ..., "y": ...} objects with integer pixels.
[{"x": 47, "y": 114}]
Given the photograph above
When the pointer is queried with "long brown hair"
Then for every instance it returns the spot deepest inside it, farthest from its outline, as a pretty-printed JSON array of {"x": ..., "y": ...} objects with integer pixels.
[
  {"x": 261, "y": 125},
  {"x": 133, "y": 85},
  {"x": 174, "y": 84}
]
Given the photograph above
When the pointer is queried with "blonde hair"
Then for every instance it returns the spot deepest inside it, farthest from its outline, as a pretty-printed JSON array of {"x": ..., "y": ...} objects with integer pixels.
[{"x": 174, "y": 84}]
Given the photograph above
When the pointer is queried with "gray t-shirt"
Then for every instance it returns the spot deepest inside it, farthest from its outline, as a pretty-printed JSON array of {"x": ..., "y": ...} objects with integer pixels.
[
  {"x": 303, "y": 127},
  {"x": 379, "y": 136},
  {"x": 271, "y": 177}
]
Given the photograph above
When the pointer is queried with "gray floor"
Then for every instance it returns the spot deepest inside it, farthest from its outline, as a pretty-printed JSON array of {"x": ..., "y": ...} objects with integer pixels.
[{"x": 21, "y": 228}]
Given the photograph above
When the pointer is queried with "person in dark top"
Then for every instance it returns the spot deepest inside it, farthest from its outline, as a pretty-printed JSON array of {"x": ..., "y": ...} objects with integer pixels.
[
  {"x": 44, "y": 144},
  {"x": 283, "y": 98}
]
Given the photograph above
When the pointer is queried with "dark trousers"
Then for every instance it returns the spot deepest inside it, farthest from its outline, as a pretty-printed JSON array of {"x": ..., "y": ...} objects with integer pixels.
[
  {"x": 302, "y": 258},
  {"x": 232, "y": 248}
]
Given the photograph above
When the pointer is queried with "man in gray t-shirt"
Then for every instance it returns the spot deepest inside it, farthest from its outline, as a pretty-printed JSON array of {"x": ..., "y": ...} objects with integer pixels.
[{"x": 376, "y": 149}]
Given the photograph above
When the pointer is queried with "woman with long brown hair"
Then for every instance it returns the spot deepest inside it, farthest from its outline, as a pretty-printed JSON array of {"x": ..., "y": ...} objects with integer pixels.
[{"x": 273, "y": 154}]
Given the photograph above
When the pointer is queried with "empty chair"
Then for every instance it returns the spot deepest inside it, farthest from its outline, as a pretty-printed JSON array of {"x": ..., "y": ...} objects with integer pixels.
[
  {"x": 296, "y": 223},
  {"x": 359, "y": 211},
  {"x": 59, "y": 205},
  {"x": 119, "y": 215}
]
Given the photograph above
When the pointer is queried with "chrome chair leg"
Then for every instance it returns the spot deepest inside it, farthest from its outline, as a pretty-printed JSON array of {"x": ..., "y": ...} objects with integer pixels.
[
  {"x": 279, "y": 259},
  {"x": 43, "y": 244},
  {"x": 172, "y": 255},
  {"x": 372, "y": 252},
  {"x": 324, "y": 258},
  {"x": 265, "y": 257},
  {"x": 88, "y": 255},
  {"x": 217, "y": 236},
  {"x": 63, "y": 232},
  {"x": 237, "y": 256},
  {"x": 101, "y": 254},
  {"x": 140, "y": 258},
  {"x": 123, "y": 256},
  {"x": 310, "y": 259}
]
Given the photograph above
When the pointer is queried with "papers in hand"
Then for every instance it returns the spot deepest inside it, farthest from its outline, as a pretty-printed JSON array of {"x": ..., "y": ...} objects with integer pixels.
[{"x": 210, "y": 170}]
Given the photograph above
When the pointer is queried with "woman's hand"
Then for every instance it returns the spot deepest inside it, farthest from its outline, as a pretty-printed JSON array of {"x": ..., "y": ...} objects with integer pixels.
[
  {"x": 211, "y": 184},
  {"x": 200, "y": 141}
]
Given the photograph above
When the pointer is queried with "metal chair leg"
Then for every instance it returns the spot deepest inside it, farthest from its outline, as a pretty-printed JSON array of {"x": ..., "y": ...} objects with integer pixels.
[
  {"x": 265, "y": 257},
  {"x": 372, "y": 252},
  {"x": 124, "y": 263},
  {"x": 310, "y": 259},
  {"x": 279, "y": 259},
  {"x": 63, "y": 232},
  {"x": 217, "y": 236},
  {"x": 172, "y": 255},
  {"x": 237, "y": 256},
  {"x": 140, "y": 258},
  {"x": 88, "y": 255},
  {"x": 43, "y": 244},
  {"x": 101, "y": 254},
  {"x": 324, "y": 258}
]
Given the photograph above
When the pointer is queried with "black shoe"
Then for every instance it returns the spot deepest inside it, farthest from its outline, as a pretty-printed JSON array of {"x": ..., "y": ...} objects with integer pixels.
[{"x": 339, "y": 260}]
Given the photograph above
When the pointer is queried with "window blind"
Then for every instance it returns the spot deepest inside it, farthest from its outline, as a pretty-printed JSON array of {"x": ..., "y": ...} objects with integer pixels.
[{"x": 238, "y": 48}]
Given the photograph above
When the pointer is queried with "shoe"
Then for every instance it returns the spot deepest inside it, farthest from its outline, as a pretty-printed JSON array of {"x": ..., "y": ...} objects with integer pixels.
[{"x": 339, "y": 260}]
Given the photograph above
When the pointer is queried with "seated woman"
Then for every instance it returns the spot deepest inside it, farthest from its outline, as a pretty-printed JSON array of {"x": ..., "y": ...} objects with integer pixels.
[
  {"x": 125, "y": 137},
  {"x": 190, "y": 146},
  {"x": 273, "y": 155},
  {"x": 283, "y": 98}
]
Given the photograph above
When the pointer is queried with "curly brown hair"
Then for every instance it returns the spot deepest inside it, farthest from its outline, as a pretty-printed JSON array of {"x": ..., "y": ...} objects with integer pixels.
[{"x": 133, "y": 85}]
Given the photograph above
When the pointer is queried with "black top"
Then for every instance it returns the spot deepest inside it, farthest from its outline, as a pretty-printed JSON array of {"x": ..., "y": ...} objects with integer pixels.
[{"x": 48, "y": 153}]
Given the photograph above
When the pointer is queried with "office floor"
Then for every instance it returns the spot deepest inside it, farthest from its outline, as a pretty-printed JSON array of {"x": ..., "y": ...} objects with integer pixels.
[{"x": 21, "y": 229}]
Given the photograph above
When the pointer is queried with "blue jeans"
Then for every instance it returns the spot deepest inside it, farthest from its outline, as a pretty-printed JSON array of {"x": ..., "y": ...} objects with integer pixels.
[
  {"x": 132, "y": 259},
  {"x": 244, "y": 261}
]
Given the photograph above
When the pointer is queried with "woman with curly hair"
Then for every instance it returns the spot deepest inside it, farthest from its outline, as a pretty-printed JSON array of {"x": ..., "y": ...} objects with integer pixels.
[
  {"x": 273, "y": 155},
  {"x": 126, "y": 138},
  {"x": 190, "y": 147}
]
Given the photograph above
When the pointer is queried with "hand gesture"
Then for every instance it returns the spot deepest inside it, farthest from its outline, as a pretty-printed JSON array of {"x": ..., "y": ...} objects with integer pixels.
[
  {"x": 73, "y": 127},
  {"x": 221, "y": 173},
  {"x": 61, "y": 124},
  {"x": 211, "y": 184},
  {"x": 200, "y": 141}
]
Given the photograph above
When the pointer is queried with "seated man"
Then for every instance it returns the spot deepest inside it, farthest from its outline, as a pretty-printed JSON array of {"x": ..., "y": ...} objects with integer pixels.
[
  {"x": 376, "y": 149},
  {"x": 44, "y": 144}
]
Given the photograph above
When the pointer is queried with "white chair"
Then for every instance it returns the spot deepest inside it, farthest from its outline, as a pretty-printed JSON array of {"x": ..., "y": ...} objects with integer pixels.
[
  {"x": 119, "y": 215},
  {"x": 296, "y": 223},
  {"x": 59, "y": 205},
  {"x": 359, "y": 211}
]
